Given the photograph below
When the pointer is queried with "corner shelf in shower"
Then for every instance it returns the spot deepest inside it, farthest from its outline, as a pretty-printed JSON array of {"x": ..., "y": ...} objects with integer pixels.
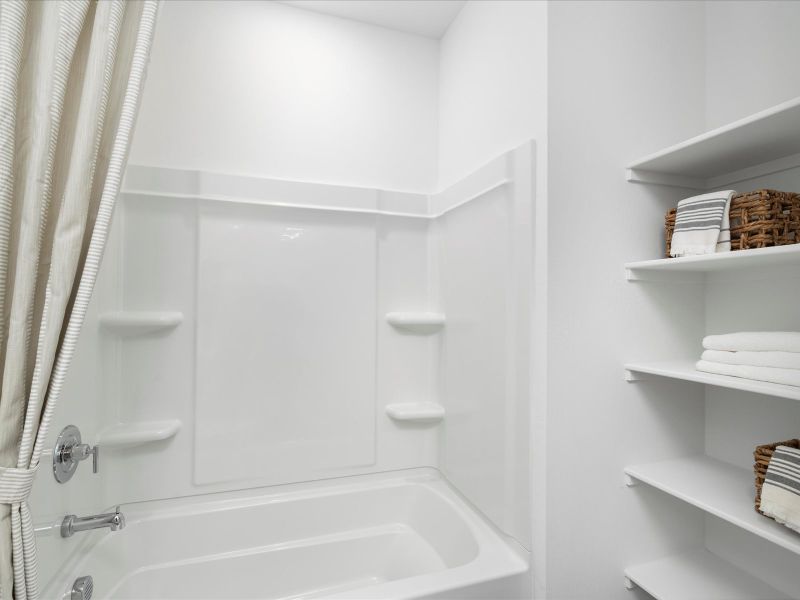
[
  {"x": 698, "y": 574},
  {"x": 416, "y": 322},
  {"x": 129, "y": 323},
  {"x": 718, "y": 488},
  {"x": 760, "y": 144},
  {"x": 136, "y": 434},
  {"x": 419, "y": 412},
  {"x": 698, "y": 266},
  {"x": 685, "y": 371}
]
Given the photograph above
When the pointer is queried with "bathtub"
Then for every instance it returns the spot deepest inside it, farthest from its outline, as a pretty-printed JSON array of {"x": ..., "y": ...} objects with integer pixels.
[{"x": 374, "y": 537}]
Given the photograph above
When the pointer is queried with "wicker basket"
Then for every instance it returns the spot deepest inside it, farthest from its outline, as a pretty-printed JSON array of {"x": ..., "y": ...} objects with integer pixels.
[
  {"x": 758, "y": 219},
  {"x": 762, "y": 456}
]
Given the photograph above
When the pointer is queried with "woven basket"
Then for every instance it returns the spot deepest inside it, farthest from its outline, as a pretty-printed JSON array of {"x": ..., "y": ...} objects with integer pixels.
[
  {"x": 762, "y": 456},
  {"x": 758, "y": 219}
]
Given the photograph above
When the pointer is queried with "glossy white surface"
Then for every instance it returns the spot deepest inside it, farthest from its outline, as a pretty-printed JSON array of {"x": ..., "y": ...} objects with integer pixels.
[
  {"x": 484, "y": 261},
  {"x": 421, "y": 412},
  {"x": 284, "y": 364},
  {"x": 133, "y": 434},
  {"x": 138, "y": 323},
  {"x": 396, "y": 536},
  {"x": 285, "y": 343},
  {"x": 419, "y": 322}
]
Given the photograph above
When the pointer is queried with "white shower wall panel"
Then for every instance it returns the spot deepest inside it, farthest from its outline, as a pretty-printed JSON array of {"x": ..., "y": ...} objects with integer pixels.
[
  {"x": 475, "y": 281},
  {"x": 484, "y": 246},
  {"x": 361, "y": 264},
  {"x": 285, "y": 343}
]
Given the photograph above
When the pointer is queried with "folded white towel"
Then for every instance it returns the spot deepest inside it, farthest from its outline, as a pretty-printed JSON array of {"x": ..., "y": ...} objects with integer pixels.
[
  {"x": 769, "y": 374},
  {"x": 781, "y": 360},
  {"x": 702, "y": 224},
  {"x": 780, "y": 495},
  {"x": 754, "y": 341}
]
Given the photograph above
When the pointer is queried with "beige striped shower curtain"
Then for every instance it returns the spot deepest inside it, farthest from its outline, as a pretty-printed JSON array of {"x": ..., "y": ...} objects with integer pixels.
[{"x": 71, "y": 74}]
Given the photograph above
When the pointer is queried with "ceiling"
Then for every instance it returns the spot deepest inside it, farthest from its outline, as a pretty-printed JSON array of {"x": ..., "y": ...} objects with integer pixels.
[{"x": 429, "y": 18}]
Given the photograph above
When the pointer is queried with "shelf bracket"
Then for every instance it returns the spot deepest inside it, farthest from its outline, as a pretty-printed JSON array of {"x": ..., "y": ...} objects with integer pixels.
[
  {"x": 635, "y": 175},
  {"x": 629, "y": 481},
  {"x": 629, "y": 583},
  {"x": 635, "y": 274},
  {"x": 632, "y": 376}
]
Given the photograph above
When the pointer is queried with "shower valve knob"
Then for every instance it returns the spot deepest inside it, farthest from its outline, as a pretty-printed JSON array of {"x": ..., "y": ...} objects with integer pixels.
[
  {"x": 69, "y": 451},
  {"x": 82, "y": 452}
]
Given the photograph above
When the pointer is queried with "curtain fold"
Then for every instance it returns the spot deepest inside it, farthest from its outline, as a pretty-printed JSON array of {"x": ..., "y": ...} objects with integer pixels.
[{"x": 71, "y": 74}]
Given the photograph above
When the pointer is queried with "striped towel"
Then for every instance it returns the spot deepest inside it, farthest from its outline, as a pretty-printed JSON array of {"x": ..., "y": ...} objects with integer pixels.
[
  {"x": 702, "y": 225},
  {"x": 780, "y": 496}
]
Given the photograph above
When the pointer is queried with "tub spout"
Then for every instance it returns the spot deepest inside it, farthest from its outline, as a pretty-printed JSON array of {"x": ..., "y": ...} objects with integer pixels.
[{"x": 71, "y": 524}]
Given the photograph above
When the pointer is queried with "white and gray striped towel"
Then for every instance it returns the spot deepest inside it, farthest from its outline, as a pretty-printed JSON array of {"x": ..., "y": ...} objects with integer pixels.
[
  {"x": 702, "y": 225},
  {"x": 780, "y": 495}
]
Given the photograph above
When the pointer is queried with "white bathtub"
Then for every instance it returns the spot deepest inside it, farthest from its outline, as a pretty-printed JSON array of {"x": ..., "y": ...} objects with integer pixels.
[{"x": 390, "y": 536}]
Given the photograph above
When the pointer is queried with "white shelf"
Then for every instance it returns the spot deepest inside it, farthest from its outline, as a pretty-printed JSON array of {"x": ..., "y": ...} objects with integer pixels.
[
  {"x": 417, "y": 322},
  {"x": 699, "y": 575},
  {"x": 140, "y": 322},
  {"x": 684, "y": 370},
  {"x": 776, "y": 256},
  {"x": 718, "y": 488},
  {"x": 763, "y": 143},
  {"x": 135, "y": 434},
  {"x": 422, "y": 412}
]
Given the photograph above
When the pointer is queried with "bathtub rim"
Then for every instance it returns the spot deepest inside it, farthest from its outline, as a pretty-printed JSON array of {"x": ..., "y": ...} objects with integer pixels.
[{"x": 498, "y": 555}]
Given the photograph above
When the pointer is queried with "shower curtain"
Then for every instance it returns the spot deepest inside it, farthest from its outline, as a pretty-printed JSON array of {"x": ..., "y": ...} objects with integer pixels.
[{"x": 71, "y": 73}]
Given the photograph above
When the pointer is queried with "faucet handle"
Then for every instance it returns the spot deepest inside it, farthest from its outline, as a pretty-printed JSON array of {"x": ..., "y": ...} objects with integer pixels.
[
  {"x": 84, "y": 451},
  {"x": 118, "y": 520}
]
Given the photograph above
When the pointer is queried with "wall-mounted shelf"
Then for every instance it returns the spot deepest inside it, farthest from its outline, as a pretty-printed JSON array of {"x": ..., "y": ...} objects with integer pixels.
[
  {"x": 416, "y": 322},
  {"x": 698, "y": 575},
  {"x": 669, "y": 268},
  {"x": 140, "y": 322},
  {"x": 420, "y": 412},
  {"x": 763, "y": 143},
  {"x": 718, "y": 488},
  {"x": 135, "y": 434},
  {"x": 684, "y": 370}
]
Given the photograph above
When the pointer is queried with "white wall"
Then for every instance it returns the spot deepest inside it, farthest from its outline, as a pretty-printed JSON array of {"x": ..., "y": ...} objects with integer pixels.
[
  {"x": 260, "y": 88},
  {"x": 492, "y": 90},
  {"x": 624, "y": 80},
  {"x": 752, "y": 57},
  {"x": 621, "y": 84}
]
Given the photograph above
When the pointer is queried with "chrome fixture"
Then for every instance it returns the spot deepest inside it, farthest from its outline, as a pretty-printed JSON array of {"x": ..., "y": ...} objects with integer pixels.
[
  {"x": 82, "y": 588},
  {"x": 69, "y": 451},
  {"x": 71, "y": 524}
]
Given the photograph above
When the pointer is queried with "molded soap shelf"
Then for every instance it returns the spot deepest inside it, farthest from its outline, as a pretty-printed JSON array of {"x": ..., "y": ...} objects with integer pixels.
[
  {"x": 135, "y": 434},
  {"x": 417, "y": 322},
  {"x": 421, "y": 412},
  {"x": 139, "y": 322}
]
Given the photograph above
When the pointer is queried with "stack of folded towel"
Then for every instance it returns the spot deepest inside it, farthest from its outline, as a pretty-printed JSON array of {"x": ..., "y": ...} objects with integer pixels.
[
  {"x": 772, "y": 356},
  {"x": 780, "y": 495}
]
